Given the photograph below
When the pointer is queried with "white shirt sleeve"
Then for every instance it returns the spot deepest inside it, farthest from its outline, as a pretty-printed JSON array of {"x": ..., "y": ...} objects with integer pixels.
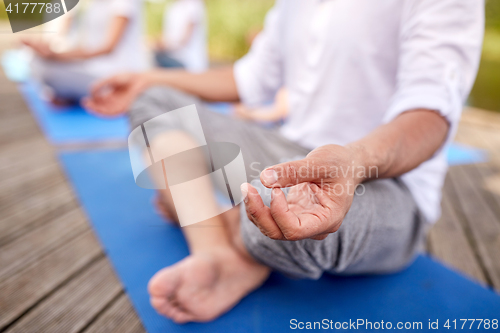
[
  {"x": 125, "y": 8},
  {"x": 196, "y": 12},
  {"x": 259, "y": 74},
  {"x": 440, "y": 48}
]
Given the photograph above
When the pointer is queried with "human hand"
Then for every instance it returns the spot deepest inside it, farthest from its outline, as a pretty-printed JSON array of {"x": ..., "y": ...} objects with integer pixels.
[
  {"x": 113, "y": 96},
  {"x": 242, "y": 112},
  {"x": 281, "y": 102},
  {"x": 42, "y": 49},
  {"x": 321, "y": 193}
]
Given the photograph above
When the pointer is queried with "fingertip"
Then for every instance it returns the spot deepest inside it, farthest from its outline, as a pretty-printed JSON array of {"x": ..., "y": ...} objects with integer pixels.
[
  {"x": 86, "y": 102},
  {"x": 275, "y": 192},
  {"x": 269, "y": 177},
  {"x": 244, "y": 191},
  {"x": 278, "y": 201},
  {"x": 96, "y": 87}
]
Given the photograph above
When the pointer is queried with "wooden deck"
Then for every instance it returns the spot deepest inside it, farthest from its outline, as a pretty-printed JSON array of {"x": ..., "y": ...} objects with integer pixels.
[{"x": 54, "y": 276}]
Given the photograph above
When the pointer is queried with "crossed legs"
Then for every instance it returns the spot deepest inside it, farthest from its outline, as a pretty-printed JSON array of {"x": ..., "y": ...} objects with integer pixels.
[
  {"x": 218, "y": 272},
  {"x": 381, "y": 233}
]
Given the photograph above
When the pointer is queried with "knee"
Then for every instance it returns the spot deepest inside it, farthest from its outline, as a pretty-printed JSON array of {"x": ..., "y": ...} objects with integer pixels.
[{"x": 171, "y": 142}]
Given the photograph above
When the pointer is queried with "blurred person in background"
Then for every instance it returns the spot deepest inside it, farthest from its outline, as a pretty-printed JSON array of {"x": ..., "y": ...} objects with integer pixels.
[
  {"x": 108, "y": 41},
  {"x": 183, "y": 40},
  {"x": 375, "y": 91},
  {"x": 271, "y": 113}
]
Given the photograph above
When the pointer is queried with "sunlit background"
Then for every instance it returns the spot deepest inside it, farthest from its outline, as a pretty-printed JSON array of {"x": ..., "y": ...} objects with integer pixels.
[
  {"x": 56, "y": 277},
  {"x": 233, "y": 23}
]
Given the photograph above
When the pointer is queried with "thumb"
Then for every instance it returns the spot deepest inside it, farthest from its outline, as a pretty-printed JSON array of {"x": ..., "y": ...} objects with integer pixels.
[
  {"x": 289, "y": 173},
  {"x": 107, "y": 84}
]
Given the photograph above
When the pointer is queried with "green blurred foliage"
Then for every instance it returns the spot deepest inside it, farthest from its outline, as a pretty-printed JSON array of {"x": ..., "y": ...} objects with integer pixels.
[
  {"x": 3, "y": 13},
  {"x": 230, "y": 24},
  {"x": 492, "y": 14},
  {"x": 485, "y": 93}
]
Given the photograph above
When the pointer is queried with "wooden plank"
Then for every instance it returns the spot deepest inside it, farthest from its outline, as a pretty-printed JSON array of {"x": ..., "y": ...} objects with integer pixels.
[
  {"x": 39, "y": 241},
  {"x": 16, "y": 150},
  {"x": 33, "y": 174},
  {"x": 448, "y": 243},
  {"x": 16, "y": 115},
  {"x": 480, "y": 117},
  {"x": 35, "y": 210},
  {"x": 490, "y": 139},
  {"x": 18, "y": 128},
  {"x": 481, "y": 137},
  {"x": 7, "y": 88},
  {"x": 12, "y": 105},
  {"x": 120, "y": 317},
  {"x": 15, "y": 190},
  {"x": 24, "y": 160},
  {"x": 482, "y": 223},
  {"x": 467, "y": 135},
  {"x": 53, "y": 274},
  {"x": 19, "y": 171},
  {"x": 73, "y": 306},
  {"x": 21, "y": 291},
  {"x": 488, "y": 178}
]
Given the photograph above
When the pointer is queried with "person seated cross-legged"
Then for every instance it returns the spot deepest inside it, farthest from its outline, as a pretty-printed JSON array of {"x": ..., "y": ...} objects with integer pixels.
[
  {"x": 352, "y": 180},
  {"x": 107, "y": 41}
]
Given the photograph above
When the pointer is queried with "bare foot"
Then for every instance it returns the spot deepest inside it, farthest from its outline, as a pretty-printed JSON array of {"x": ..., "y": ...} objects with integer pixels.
[
  {"x": 61, "y": 102},
  {"x": 203, "y": 286}
]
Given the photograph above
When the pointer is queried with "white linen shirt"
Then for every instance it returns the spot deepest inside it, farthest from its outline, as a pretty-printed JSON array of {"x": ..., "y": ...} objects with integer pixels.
[
  {"x": 177, "y": 18},
  {"x": 130, "y": 52},
  {"x": 352, "y": 65}
]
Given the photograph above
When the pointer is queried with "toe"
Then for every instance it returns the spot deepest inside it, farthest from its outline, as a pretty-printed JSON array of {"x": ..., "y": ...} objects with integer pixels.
[
  {"x": 181, "y": 317},
  {"x": 159, "y": 303},
  {"x": 164, "y": 283},
  {"x": 163, "y": 306},
  {"x": 171, "y": 309}
]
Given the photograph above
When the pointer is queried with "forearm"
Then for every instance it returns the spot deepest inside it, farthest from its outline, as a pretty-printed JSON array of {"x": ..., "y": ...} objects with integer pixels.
[
  {"x": 266, "y": 114},
  {"x": 401, "y": 145},
  {"x": 80, "y": 54},
  {"x": 212, "y": 85}
]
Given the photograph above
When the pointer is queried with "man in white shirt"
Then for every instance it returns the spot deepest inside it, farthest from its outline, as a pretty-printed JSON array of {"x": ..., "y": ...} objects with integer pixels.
[
  {"x": 184, "y": 36},
  {"x": 109, "y": 41},
  {"x": 375, "y": 93}
]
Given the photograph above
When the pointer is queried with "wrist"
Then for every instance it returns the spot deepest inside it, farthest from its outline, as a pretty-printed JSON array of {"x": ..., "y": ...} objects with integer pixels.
[
  {"x": 147, "y": 80},
  {"x": 83, "y": 55},
  {"x": 158, "y": 77},
  {"x": 361, "y": 162}
]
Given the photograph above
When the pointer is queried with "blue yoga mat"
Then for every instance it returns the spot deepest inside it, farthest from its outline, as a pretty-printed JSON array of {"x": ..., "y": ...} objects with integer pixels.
[
  {"x": 72, "y": 124},
  {"x": 139, "y": 243},
  {"x": 460, "y": 154}
]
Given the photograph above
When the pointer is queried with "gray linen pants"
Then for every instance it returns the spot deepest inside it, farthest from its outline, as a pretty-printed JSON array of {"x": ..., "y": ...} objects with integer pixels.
[{"x": 382, "y": 232}]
